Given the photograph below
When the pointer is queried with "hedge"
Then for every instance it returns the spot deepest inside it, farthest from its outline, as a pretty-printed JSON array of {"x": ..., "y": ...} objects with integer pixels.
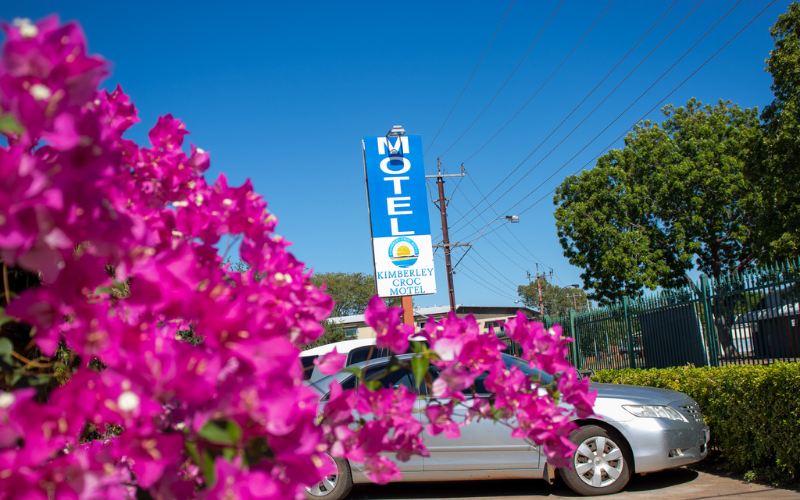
[{"x": 753, "y": 412}]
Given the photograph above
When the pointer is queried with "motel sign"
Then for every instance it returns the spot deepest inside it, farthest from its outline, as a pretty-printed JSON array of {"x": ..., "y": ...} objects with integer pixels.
[{"x": 398, "y": 214}]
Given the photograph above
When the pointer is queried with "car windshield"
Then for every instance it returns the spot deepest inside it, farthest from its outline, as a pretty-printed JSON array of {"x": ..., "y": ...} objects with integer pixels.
[
  {"x": 323, "y": 385},
  {"x": 538, "y": 375}
]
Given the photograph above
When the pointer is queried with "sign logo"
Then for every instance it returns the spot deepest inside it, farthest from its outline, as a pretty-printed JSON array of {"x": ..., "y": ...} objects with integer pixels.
[{"x": 403, "y": 252}]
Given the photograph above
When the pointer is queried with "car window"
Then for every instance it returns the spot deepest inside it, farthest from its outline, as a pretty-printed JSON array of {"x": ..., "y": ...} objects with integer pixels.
[
  {"x": 390, "y": 380},
  {"x": 479, "y": 384},
  {"x": 360, "y": 354},
  {"x": 308, "y": 365}
]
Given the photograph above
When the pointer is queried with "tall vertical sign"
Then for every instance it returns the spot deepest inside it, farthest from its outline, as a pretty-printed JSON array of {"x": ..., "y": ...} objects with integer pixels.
[{"x": 398, "y": 214}]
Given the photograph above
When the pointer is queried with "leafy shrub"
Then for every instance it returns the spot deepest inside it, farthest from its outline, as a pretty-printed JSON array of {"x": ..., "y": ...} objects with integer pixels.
[{"x": 753, "y": 411}]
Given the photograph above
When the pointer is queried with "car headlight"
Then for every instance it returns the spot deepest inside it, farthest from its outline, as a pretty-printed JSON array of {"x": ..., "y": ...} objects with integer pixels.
[{"x": 655, "y": 411}]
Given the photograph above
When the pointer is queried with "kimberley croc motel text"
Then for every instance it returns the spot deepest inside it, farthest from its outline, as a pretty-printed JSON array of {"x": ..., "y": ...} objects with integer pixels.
[{"x": 398, "y": 215}]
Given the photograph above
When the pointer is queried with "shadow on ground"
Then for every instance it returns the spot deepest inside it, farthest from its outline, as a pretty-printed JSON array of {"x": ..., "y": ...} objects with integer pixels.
[{"x": 510, "y": 488}]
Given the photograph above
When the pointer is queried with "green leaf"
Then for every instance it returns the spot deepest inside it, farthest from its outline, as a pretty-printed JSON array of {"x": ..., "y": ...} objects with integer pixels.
[
  {"x": 9, "y": 123},
  {"x": 5, "y": 346},
  {"x": 209, "y": 471},
  {"x": 221, "y": 432},
  {"x": 419, "y": 367},
  {"x": 373, "y": 385},
  {"x": 4, "y": 318},
  {"x": 191, "y": 448},
  {"x": 354, "y": 369},
  {"x": 234, "y": 431},
  {"x": 418, "y": 347}
]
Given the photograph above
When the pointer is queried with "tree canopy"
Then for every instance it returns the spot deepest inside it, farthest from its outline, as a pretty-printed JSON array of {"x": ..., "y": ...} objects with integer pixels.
[
  {"x": 350, "y": 291},
  {"x": 775, "y": 163},
  {"x": 673, "y": 199},
  {"x": 557, "y": 300}
]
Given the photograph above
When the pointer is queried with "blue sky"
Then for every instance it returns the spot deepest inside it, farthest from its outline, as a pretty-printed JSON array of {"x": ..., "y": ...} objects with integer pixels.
[{"x": 283, "y": 93}]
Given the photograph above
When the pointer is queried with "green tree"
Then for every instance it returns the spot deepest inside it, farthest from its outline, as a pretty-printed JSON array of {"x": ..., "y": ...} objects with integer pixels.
[
  {"x": 350, "y": 291},
  {"x": 557, "y": 300},
  {"x": 775, "y": 164},
  {"x": 333, "y": 333},
  {"x": 674, "y": 199}
]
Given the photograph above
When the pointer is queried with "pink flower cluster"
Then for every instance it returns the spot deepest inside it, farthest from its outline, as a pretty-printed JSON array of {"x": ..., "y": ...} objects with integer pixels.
[
  {"x": 91, "y": 210},
  {"x": 459, "y": 352},
  {"x": 125, "y": 237}
]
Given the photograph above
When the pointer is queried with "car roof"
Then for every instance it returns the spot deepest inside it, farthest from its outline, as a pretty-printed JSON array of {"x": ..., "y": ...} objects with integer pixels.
[
  {"x": 346, "y": 346},
  {"x": 341, "y": 347}
]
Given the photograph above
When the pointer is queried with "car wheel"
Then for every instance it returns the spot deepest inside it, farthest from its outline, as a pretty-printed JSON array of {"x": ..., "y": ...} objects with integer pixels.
[
  {"x": 336, "y": 486},
  {"x": 601, "y": 465}
]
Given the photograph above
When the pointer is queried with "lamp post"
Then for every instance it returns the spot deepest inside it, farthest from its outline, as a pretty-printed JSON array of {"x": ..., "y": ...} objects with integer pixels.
[{"x": 451, "y": 271}]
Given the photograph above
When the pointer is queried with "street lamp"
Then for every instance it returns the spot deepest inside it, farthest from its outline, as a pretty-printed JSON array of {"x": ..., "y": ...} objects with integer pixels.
[{"x": 511, "y": 218}]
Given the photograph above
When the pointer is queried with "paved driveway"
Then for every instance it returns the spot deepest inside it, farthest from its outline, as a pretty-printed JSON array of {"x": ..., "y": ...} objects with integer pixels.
[{"x": 674, "y": 484}]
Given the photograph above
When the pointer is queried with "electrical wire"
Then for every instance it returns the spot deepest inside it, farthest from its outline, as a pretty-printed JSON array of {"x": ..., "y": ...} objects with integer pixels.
[
  {"x": 465, "y": 271},
  {"x": 611, "y": 144},
  {"x": 498, "y": 273},
  {"x": 545, "y": 82},
  {"x": 618, "y": 116},
  {"x": 537, "y": 261},
  {"x": 507, "y": 79},
  {"x": 469, "y": 80},
  {"x": 584, "y": 100}
]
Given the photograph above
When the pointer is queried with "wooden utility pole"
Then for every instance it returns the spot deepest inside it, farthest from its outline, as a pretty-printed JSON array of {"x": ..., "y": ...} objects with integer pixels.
[
  {"x": 442, "y": 206},
  {"x": 539, "y": 286}
]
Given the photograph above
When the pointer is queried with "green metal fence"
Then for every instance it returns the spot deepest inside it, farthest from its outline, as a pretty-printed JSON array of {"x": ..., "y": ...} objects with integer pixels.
[{"x": 752, "y": 318}]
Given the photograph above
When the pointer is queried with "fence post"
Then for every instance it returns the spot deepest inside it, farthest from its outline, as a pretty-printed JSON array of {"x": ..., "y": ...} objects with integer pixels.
[
  {"x": 573, "y": 331},
  {"x": 546, "y": 321},
  {"x": 625, "y": 312},
  {"x": 708, "y": 321}
]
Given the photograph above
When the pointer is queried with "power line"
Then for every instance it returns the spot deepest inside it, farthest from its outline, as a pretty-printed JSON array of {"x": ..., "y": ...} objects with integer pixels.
[
  {"x": 545, "y": 82},
  {"x": 623, "y": 113},
  {"x": 643, "y": 116},
  {"x": 469, "y": 80},
  {"x": 581, "y": 103},
  {"x": 507, "y": 79},
  {"x": 537, "y": 259},
  {"x": 472, "y": 256},
  {"x": 485, "y": 283}
]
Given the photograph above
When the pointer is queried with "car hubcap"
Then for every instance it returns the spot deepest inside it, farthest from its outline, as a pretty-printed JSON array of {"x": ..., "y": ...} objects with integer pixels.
[
  {"x": 598, "y": 461},
  {"x": 327, "y": 484}
]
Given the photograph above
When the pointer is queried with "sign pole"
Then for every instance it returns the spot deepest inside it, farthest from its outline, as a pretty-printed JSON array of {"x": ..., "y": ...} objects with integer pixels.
[{"x": 407, "y": 301}]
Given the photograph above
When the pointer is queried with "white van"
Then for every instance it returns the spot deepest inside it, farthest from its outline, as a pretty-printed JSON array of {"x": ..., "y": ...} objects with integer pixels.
[{"x": 357, "y": 350}]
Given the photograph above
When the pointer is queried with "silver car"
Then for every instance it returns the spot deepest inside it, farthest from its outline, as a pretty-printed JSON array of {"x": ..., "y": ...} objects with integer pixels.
[{"x": 637, "y": 430}]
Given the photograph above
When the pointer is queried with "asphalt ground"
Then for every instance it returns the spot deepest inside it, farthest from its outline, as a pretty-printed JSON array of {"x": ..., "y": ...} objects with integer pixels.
[{"x": 674, "y": 484}]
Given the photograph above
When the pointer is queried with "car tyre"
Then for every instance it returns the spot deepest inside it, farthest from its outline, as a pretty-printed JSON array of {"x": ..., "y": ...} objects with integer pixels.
[
  {"x": 336, "y": 486},
  {"x": 601, "y": 465}
]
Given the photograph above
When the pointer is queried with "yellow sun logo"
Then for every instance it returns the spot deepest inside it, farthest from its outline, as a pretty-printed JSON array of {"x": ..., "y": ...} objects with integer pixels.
[{"x": 403, "y": 251}]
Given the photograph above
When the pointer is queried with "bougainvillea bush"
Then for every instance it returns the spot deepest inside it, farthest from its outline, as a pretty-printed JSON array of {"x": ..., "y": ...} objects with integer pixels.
[{"x": 178, "y": 377}]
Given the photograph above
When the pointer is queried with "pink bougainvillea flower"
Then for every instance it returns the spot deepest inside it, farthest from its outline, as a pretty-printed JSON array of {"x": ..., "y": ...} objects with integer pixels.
[
  {"x": 440, "y": 420},
  {"x": 331, "y": 362},
  {"x": 386, "y": 322}
]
